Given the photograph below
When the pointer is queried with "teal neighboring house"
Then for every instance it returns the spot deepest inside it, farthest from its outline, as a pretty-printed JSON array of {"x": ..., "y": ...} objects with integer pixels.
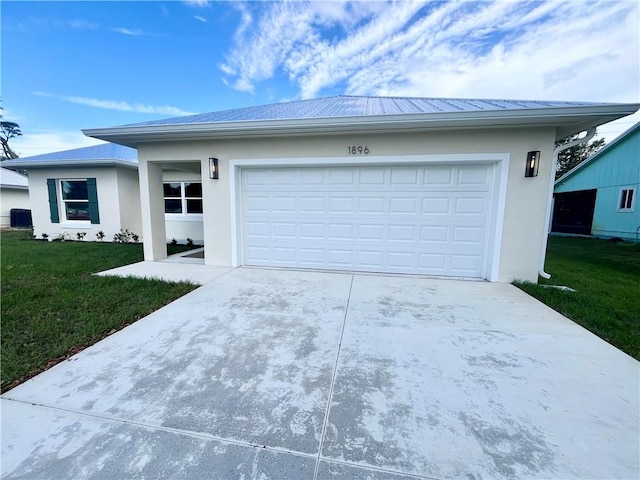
[{"x": 599, "y": 197}]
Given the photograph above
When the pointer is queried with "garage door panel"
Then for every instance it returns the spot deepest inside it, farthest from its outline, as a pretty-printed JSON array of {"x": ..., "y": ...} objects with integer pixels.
[
  {"x": 341, "y": 176},
  {"x": 473, "y": 235},
  {"x": 478, "y": 175},
  {"x": 372, "y": 176},
  {"x": 340, "y": 232},
  {"x": 432, "y": 261},
  {"x": 402, "y": 232},
  {"x": 467, "y": 263},
  {"x": 420, "y": 219},
  {"x": 311, "y": 205},
  {"x": 285, "y": 255},
  {"x": 284, "y": 204},
  {"x": 471, "y": 206},
  {"x": 403, "y": 206},
  {"x": 438, "y": 176},
  {"x": 257, "y": 204},
  {"x": 438, "y": 206},
  {"x": 341, "y": 204},
  {"x": 285, "y": 230},
  {"x": 434, "y": 233},
  {"x": 311, "y": 231},
  {"x": 405, "y": 176},
  {"x": 370, "y": 232}
]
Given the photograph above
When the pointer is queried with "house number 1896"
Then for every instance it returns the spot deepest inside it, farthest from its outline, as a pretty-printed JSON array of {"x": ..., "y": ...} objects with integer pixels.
[{"x": 358, "y": 150}]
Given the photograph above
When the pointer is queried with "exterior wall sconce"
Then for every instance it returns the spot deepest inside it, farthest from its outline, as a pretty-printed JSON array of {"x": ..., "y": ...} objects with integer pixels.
[
  {"x": 213, "y": 168},
  {"x": 533, "y": 161}
]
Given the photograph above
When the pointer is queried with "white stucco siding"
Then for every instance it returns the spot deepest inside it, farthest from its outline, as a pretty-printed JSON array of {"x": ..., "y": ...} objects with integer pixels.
[
  {"x": 108, "y": 202},
  {"x": 12, "y": 198},
  {"x": 129, "y": 200},
  {"x": 526, "y": 198}
]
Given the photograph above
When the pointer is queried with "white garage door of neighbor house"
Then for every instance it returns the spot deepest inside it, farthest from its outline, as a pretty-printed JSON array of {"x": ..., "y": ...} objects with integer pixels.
[{"x": 430, "y": 220}]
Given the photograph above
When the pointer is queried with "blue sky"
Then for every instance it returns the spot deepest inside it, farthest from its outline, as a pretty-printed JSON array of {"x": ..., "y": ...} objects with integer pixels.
[{"x": 73, "y": 65}]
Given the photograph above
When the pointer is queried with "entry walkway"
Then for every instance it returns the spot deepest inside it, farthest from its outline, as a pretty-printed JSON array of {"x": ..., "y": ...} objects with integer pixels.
[{"x": 176, "y": 268}]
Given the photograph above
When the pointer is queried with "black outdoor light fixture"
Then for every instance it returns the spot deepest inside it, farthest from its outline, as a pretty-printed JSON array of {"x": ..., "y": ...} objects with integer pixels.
[
  {"x": 213, "y": 168},
  {"x": 533, "y": 161}
]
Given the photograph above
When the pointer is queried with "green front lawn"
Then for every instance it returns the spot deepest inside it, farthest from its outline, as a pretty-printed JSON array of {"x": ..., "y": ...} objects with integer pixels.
[
  {"x": 606, "y": 276},
  {"x": 53, "y": 306}
]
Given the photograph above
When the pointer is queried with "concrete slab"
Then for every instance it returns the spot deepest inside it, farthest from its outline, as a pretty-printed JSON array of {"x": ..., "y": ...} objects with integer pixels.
[
  {"x": 75, "y": 446},
  {"x": 499, "y": 398},
  {"x": 248, "y": 358},
  {"x": 310, "y": 375},
  {"x": 174, "y": 270}
]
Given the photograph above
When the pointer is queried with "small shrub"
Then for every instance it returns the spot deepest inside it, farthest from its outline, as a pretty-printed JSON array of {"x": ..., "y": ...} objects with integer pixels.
[
  {"x": 190, "y": 242},
  {"x": 125, "y": 236},
  {"x": 80, "y": 236},
  {"x": 45, "y": 236},
  {"x": 61, "y": 237},
  {"x": 100, "y": 235},
  {"x": 173, "y": 241}
]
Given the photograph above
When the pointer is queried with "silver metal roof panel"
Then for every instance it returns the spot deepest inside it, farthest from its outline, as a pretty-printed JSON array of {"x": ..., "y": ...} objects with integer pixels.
[
  {"x": 355, "y": 106},
  {"x": 106, "y": 153}
]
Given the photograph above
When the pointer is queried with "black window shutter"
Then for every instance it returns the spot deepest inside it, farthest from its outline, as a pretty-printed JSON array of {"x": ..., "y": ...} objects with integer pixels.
[
  {"x": 92, "y": 193},
  {"x": 53, "y": 200}
]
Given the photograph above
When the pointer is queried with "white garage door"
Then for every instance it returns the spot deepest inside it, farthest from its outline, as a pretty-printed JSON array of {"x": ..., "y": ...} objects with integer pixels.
[{"x": 430, "y": 220}]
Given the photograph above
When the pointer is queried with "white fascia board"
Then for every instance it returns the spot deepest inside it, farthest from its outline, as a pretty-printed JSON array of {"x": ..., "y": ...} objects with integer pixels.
[
  {"x": 27, "y": 165},
  {"x": 567, "y": 120}
]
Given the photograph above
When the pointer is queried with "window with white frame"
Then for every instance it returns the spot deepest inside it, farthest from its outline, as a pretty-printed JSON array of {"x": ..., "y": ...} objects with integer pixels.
[
  {"x": 73, "y": 200},
  {"x": 627, "y": 199},
  {"x": 183, "y": 198}
]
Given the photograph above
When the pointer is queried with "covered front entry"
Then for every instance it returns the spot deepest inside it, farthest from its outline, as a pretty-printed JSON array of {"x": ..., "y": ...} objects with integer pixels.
[{"x": 416, "y": 219}]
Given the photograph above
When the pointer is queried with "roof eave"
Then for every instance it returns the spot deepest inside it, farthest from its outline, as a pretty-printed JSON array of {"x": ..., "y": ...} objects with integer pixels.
[
  {"x": 567, "y": 121},
  {"x": 29, "y": 165}
]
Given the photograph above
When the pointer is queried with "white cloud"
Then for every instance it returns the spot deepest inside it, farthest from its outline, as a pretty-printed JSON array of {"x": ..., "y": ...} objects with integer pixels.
[
  {"x": 200, "y": 19},
  {"x": 562, "y": 50},
  {"x": 134, "y": 32},
  {"x": 118, "y": 105},
  {"x": 30, "y": 144},
  {"x": 197, "y": 3},
  {"x": 127, "y": 31},
  {"x": 81, "y": 24}
]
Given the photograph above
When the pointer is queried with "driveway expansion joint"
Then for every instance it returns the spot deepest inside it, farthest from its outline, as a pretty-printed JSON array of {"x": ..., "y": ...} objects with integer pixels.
[
  {"x": 333, "y": 382},
  {"x": 380, "y": 469},
  {"x": 176, "y": 431}
]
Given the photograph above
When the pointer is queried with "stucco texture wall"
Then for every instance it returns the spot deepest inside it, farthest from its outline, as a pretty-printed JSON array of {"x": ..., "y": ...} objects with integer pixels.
[
  {"x": 526, "y": 198},
  {"x": 108, "y": 203},
  {"x": 129, "y": 199},
  {"x": 12, "y": 198}
]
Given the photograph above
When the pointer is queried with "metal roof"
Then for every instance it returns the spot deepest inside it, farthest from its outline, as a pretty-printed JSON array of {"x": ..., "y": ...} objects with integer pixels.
[
  {"x": 358, "y": 106},
  {"x": 343, "y": 115},
  {"x": 11, "y": 179},
  {"x": 105, "y": 154}
]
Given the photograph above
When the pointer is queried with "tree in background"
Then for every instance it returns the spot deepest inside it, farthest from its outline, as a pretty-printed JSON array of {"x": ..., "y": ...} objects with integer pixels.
[
  {"x": 574, "y": 156},
  {"x": 8, "y": 130}
]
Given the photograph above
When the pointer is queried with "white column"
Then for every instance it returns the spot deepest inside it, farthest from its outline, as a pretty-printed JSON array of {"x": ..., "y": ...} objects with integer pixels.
[{"x": 154, "y": 236}]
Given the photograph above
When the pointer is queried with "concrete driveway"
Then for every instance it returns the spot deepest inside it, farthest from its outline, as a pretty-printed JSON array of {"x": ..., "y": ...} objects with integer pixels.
[{"x": 274, "y": 374}]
